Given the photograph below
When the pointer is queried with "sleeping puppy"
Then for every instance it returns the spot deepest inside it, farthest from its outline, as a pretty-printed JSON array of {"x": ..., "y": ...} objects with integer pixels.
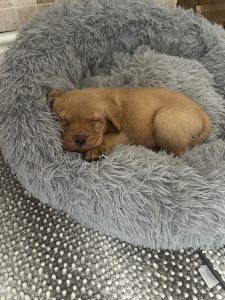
[{"x": 97, "y": 119}]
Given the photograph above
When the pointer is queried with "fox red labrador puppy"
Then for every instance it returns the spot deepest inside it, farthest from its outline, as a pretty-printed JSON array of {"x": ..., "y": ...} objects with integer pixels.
[{"x": 97, "y": 119}]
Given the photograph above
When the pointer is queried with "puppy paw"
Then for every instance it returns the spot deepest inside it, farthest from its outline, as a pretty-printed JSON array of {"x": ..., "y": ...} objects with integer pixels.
[
  {"x": 104, "y": 149},
  {"x": 94, "y": 154}
]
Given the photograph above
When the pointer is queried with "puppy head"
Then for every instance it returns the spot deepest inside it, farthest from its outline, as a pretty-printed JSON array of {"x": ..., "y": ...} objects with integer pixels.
[{"x": 85, "y": 116}]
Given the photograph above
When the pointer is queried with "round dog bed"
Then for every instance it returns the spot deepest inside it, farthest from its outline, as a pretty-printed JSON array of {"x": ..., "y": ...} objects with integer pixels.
[{"x": 145, "y": 198}]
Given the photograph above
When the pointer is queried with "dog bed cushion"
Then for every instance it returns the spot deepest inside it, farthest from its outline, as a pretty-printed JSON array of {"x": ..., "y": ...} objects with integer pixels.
[{"x": 142, "y": 197}]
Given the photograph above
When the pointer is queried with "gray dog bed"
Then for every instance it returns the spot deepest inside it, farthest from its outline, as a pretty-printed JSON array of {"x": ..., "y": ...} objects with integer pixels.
[{"x": 145, "y": 198}]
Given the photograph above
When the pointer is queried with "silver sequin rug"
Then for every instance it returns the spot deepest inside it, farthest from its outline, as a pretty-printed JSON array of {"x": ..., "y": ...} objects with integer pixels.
[{"x": 46, "y": 255}]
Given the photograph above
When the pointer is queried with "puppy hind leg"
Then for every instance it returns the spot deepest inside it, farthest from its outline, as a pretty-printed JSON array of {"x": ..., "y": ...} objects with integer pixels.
[{"x": 169, "y": 134}]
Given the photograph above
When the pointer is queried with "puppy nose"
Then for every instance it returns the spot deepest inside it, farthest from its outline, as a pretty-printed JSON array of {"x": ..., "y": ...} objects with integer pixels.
[{"x": 80, "y": 140}]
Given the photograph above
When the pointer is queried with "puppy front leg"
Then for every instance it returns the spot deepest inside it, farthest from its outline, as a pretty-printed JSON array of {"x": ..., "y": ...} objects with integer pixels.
[{"x": 109, "y": 141}]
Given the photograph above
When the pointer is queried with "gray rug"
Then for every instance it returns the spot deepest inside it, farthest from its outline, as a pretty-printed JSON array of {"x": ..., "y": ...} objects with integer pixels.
[
  {"x": 45, "y": 255},
  {"x": 139, "y": 196}
]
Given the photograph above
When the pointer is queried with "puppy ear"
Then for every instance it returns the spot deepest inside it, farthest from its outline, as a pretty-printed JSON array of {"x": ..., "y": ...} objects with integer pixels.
[
  {"x": 114, "y": 114},
  {"x": 55, "y": 93},
  {"x": 52, "y": 96}
]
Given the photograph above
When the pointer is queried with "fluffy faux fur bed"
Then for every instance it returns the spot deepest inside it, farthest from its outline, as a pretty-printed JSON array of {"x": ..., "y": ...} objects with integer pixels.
[{"x": 143, "y": 197}]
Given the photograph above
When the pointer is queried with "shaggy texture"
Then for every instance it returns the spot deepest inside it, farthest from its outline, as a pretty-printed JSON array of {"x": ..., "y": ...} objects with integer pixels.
[{"x": 145, "y": 198}]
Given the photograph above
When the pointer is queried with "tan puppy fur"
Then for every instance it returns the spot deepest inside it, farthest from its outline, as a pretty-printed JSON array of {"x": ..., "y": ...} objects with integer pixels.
[{"x": 97, "y": 119}]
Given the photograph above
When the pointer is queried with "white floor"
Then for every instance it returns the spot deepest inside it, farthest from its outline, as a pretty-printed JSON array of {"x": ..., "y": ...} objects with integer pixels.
[{"x": 6, "y": 39}]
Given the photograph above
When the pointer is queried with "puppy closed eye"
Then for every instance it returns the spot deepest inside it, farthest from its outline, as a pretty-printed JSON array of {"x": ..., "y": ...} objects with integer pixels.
[
  {"x": 95, "y": 119},
  {"x": 63, "y": 120}
]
